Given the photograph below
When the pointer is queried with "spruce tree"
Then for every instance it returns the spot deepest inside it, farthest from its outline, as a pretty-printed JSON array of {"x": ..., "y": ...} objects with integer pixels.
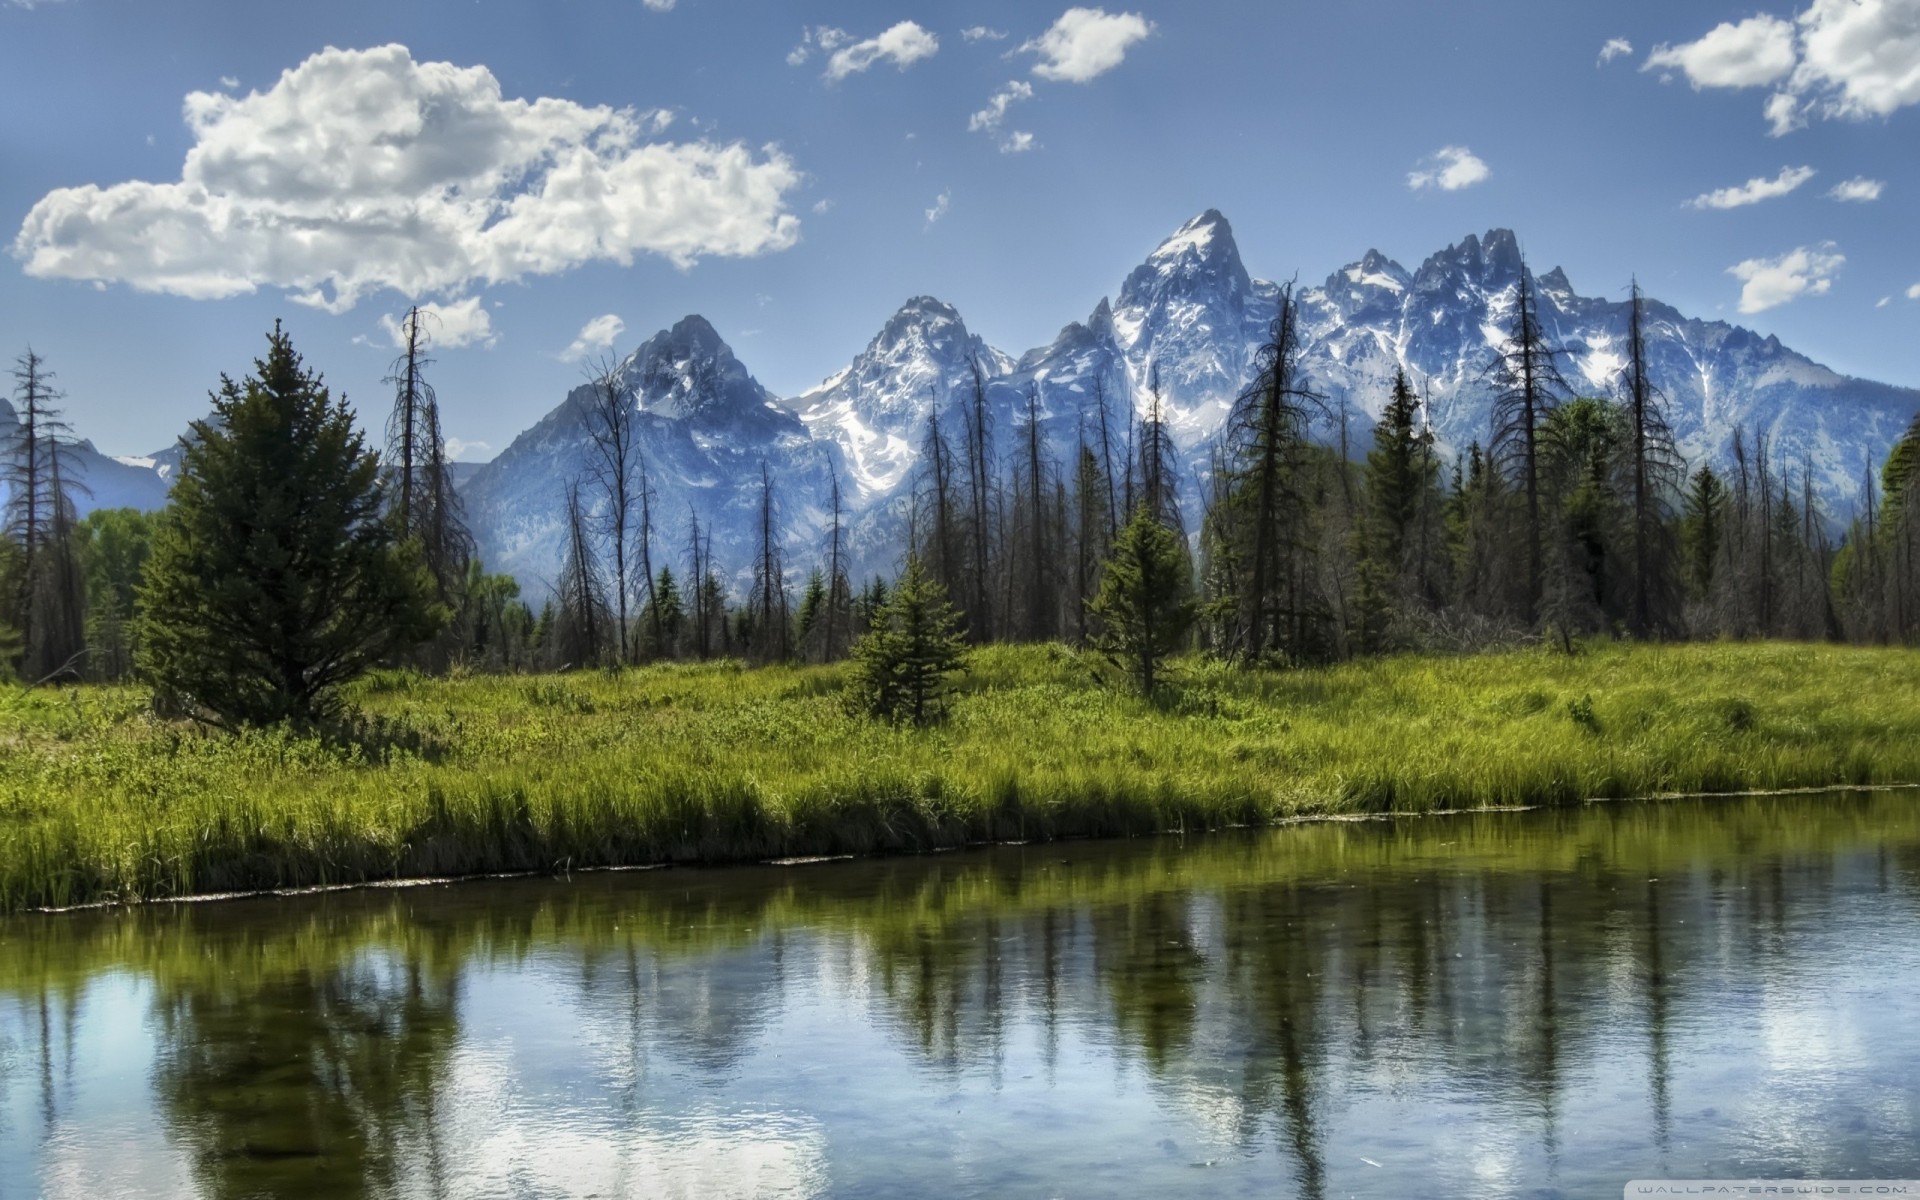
[
  {"x": 274, "y": 579},
  {"x": 914, "y": 644},
  {"x": 1145, "y": 604}
]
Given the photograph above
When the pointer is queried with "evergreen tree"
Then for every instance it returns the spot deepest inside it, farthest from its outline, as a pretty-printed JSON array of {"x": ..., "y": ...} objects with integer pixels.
[
  {"x": 1145, "y": 604},
  {"x": 1525, "y": 377},
  {"x": 274, "y": 579},
  {"x": 769, "y": 634},
  {"x": 665, "y": 614},
  {"x": 1702, "y": 524},
  {"x": 1396, "y": 540},
  {"x": 903, "y": 662}
]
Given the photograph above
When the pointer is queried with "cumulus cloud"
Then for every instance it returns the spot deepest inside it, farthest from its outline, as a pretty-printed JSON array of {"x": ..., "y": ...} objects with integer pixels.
[
  {"x": 1771, "y": 282},
  {"x": 659, "y": 5},
  {"x": 1857, "y": 191},
  {"x": 1086, "y": 43},
  {"x": 1751, "y": 53},
  {"x": 1018, "y": 142},
  {"x": 363, "y": 169},
  {"x": 1753, "y": 191},
  {"x": 1913, "y": 293},
  {"x": 461, "y": 450},
  {"x": 980, "y": 33},
  {"x": 902, "y": 45},
  {"x": 460, "y": 323},
  {"x": 940, "y": 206},
  {"x": 1452, "y": 168},
  {"x": 1839, "y": 59},
  {"x": 1615, "y": 48},
  {"x": 995, "y": 113},
  {"x": 596, "y": 335}
]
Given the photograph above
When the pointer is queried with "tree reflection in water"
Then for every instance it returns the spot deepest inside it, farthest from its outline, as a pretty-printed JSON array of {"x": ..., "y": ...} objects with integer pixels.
[{"x": 1281, "y": 998}]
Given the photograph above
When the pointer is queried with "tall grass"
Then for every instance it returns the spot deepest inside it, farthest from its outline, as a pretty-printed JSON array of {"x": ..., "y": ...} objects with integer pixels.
[{"x": 99, "y": 800}]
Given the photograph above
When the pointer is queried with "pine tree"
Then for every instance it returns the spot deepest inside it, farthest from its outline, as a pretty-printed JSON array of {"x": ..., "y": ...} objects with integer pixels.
[
  {"x": 914, "y": 644},
  {"x": 1527, "y": 388},
  {"x": 1145, "y": 604},
  {"x": 771, "y": 628},
  {"x": 1705, "y": 515},
  {"x": 274, "y": 579},
  {"x": 664, "y": 616}
]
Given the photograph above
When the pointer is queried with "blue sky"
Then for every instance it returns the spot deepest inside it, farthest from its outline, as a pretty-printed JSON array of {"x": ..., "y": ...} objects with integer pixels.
[{"x": 174, "y": 174}]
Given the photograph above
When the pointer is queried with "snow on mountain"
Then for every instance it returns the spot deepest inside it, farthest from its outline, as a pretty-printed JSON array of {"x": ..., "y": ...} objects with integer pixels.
[
  {"x": 705, "y": 426},
  {"x": 1444, "y": 322},
  {"x": 875, "y": 409},
  {"x": 1193, "y": 317},
  {"x": 1192, "y": 311}
]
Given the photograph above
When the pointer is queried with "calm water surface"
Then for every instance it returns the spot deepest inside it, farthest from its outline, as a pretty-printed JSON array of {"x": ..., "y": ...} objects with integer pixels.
[{"x": 1539, "y": 1004}]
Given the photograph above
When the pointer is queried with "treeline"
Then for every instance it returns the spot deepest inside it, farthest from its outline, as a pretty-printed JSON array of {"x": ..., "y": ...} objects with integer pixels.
[{"x": 1576, "y": 516}]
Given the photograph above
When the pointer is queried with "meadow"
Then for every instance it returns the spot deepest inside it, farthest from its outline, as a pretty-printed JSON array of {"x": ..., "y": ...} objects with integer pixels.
[{"x": 100, "y": 800}]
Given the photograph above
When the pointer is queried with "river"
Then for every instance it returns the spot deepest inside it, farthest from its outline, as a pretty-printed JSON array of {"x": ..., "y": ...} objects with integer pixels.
[{"x": 1525, "y": 1004}]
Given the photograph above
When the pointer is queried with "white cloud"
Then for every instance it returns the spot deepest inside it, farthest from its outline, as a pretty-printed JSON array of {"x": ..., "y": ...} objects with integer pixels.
[
  {"x": 903, "y": 45},
  {"x": 31, "y": 3},
  {"x": 1615, "y": 48},
  {"x": 659, "y": 5},
  {"x": 980, "y": 33},
  {"x": 1884, "y": 301},
  {"x": 1850, "y": 59},
  {"x": 363, "y": 169},
  {"x": 1752, "y": 53},
  {"x": 939, "y": 209},
  {"x": 1018, "y": 142},
  {"x": 598, "y": 334},
  {"x": 1753, "y": 191},
  {"x": 991, "y": 117},
  {"x": 1771, "y": 282},
  {"x": 1913, "y": 293},
  {"x": 1857, "y": 191},
  {"x": 822, "y": 207},
  {"x": 1860, "y": 58},
  {"x": 1086, "y": 43},
  {"x": 824, "y": 38},
  {"x": 229, "y": 82},
  {"x": 1782, "y": 111},
  {"x": 461, "y": 323},
  {"x": 459, "y": 449},
  {"x": 1452, "y": 168}
]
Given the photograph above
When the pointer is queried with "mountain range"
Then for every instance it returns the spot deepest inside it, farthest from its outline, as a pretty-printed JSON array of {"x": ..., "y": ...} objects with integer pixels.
[{"x": 1187, "y": 322}]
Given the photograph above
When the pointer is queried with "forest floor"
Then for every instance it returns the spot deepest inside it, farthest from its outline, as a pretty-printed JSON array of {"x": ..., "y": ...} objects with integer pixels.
[{"x": 101, "y": 801}]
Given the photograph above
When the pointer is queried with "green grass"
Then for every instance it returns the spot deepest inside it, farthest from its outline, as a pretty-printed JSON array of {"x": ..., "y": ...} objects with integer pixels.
[{"x": 99, "y": 800}]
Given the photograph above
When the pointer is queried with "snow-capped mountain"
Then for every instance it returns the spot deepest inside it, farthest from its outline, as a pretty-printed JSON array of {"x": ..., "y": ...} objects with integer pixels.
[
  {"x": 705, "y": 426},
  {"x": 1190, "y": 317},
  {"x": 875, "y": 409},
  {"x": 1444, "y": 321}
]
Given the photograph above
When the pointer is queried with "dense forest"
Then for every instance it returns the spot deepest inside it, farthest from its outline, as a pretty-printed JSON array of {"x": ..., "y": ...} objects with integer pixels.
[{"x": 1575, "y": 517}]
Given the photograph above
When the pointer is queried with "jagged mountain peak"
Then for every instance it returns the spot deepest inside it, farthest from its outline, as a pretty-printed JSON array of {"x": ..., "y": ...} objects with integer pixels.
[
  {"x": 689, "y": 372},
  {"x": 1200, "y": 256}
]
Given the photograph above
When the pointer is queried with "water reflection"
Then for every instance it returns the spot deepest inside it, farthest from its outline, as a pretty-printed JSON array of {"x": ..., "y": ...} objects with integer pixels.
[{"x": 1537, "y": 1004}]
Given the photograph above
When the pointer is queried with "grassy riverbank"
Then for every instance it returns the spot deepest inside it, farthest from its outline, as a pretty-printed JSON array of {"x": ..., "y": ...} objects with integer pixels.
[{"x": 99, "y": 800}]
